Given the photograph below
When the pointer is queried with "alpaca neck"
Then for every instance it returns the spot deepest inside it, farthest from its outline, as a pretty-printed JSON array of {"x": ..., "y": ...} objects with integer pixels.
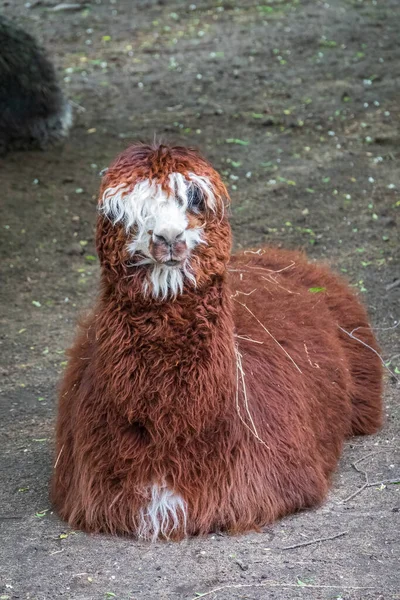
[
  {"x": 197, "y": 313},
  {"x": 191, "y": 320},
  {"x": 178, "y": 356}
]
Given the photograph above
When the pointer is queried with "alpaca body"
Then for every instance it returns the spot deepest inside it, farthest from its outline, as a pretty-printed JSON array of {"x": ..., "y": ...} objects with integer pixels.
[
  {"x": 223, "y": 408},
  {"x": 33, "y": 110},
  {"x": 184, "y": 430}
]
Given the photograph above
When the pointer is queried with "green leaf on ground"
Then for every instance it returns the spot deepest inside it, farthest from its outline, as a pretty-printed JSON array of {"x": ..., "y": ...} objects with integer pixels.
[{"x": 237, "y": 141}]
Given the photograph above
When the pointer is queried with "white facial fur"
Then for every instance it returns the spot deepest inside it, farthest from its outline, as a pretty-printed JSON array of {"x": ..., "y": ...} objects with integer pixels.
[{"x": 147, "y": 207}]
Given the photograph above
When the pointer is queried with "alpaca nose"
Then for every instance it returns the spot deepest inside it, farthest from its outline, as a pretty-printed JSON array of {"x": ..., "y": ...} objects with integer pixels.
[{"x": 168, "y": 235}]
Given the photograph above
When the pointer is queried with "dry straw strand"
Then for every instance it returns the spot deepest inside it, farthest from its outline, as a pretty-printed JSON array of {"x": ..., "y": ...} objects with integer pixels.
[
  {"x": 58, "y": 457},
  {"x": 269, "y": 333},
  {"x": 354, "y": 337},
  {"x": 239, "y": 369}
]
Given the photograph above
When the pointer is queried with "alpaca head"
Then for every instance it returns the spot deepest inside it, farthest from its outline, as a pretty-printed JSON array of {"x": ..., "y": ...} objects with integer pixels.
[{"x": 162, "y": 220}]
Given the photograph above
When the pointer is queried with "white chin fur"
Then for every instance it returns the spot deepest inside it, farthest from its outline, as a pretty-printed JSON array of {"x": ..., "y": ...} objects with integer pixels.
[{"x": 165, "y": 281}]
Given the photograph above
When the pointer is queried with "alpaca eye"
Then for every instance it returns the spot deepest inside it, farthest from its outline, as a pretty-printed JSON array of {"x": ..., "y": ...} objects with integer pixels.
[{"x": 196, "y": 200}]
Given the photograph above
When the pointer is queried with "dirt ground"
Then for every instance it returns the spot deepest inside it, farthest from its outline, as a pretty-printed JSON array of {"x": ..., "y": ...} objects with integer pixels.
[{"x": 297, "y": 103}]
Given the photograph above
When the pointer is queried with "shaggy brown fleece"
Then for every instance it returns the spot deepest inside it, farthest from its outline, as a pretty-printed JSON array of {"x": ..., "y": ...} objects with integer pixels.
[{"x": 237, "y": 394}]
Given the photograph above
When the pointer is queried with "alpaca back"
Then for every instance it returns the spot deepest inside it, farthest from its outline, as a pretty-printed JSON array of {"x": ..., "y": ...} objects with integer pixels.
[{"x": 312, "y": 291}]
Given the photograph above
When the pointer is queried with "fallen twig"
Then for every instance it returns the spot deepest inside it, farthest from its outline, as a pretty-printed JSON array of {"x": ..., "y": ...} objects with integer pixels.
[
  {"x": 394, "y": 284},
  {"x": 361, "y": 489},
  {"x": 372, "y": 484},
  {"x": 368, "y": 483},
  {"x": 385, "y": 482},
  {"x": 316, "y": 541},
  {"x": 365, "y": 458},
  {"x": 267, "y": 584}
]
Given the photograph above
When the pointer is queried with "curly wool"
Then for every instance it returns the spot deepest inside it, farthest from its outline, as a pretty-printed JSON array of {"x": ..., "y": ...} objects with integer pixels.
[{"x": 224, "y": 408}]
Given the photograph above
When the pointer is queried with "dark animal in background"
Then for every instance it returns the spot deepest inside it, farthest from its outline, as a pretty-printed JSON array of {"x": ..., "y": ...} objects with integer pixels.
[
  {"x": 33, "y": 110},
  {"x": 205, "y": 391}
]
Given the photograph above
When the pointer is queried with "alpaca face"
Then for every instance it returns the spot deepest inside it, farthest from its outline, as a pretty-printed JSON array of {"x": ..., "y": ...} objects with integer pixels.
[{"x": 163, "y": 225}]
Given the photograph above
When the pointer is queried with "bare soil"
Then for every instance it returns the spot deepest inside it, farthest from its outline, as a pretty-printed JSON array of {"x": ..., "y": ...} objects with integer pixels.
[{"x": 296, "y": 102}]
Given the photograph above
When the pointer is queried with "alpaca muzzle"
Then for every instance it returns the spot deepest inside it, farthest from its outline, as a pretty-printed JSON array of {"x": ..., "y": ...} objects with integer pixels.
[{"x": 167, "y": 251}]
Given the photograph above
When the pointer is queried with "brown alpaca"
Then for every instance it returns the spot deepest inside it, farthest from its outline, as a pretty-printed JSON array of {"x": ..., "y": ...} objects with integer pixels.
[{"x": 205, "y": 392}]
